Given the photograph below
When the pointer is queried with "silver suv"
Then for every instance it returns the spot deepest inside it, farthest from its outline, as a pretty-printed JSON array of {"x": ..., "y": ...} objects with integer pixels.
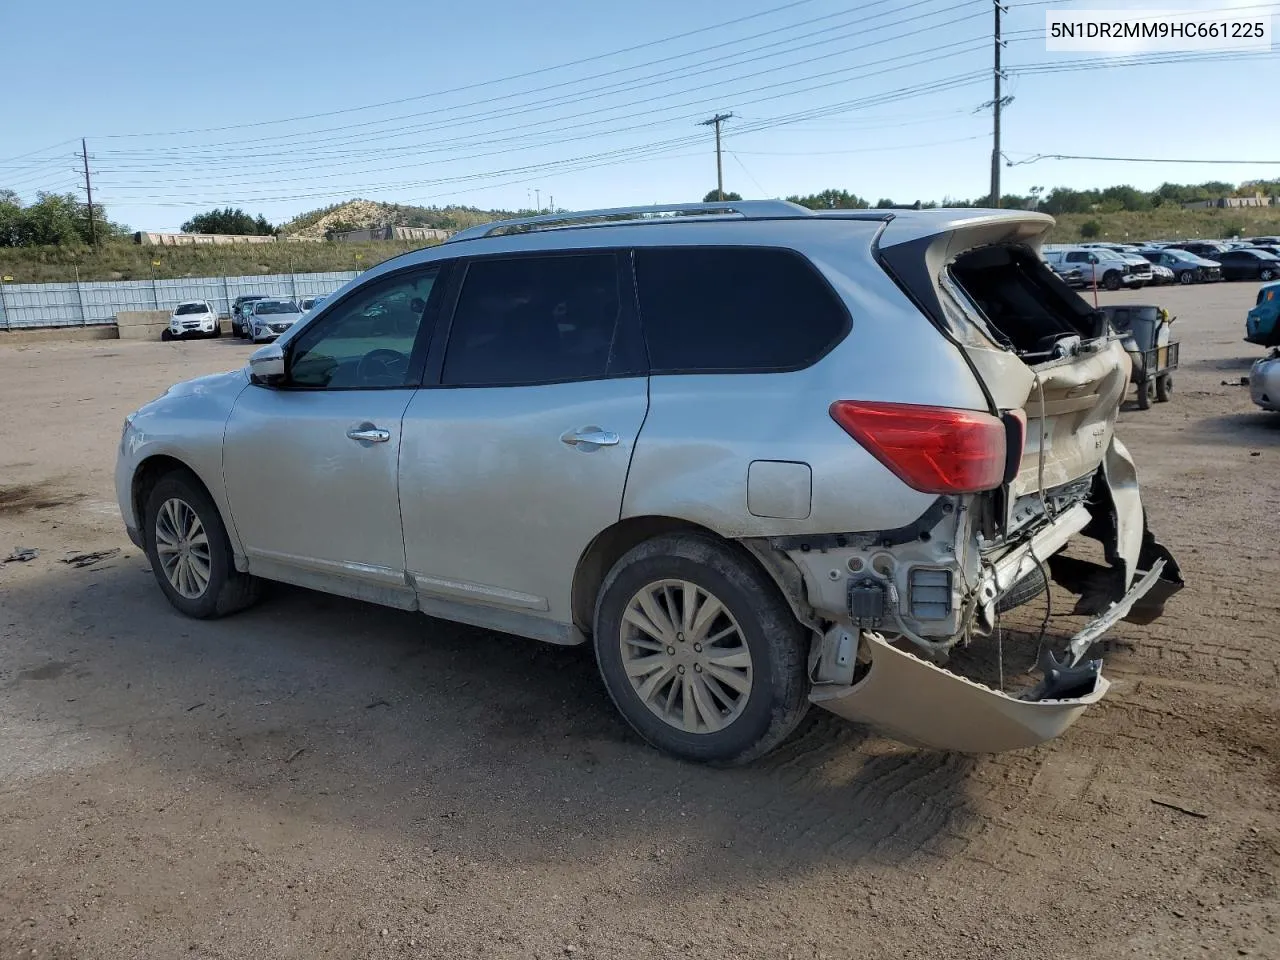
[{"x": 756, "y": 456}]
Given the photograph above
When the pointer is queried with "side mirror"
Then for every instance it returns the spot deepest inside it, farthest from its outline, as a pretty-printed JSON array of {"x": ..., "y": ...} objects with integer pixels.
[{"x": 266, "y": 365}]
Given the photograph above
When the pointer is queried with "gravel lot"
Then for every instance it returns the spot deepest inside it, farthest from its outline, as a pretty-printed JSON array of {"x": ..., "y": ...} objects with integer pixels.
[{"x": 320, "y": 778}]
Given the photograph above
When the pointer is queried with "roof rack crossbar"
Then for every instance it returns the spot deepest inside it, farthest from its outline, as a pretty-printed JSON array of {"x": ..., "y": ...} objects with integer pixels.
[{"x": 746, "y": 209}]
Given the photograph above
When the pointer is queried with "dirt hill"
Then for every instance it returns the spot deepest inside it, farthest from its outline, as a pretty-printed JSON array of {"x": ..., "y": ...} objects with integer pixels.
[{"x": 358, "y": 214}]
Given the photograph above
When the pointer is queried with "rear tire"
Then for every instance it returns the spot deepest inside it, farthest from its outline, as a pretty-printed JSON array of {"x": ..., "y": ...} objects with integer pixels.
[
  {"x": 1144, "y": 394},
  {"x": 718, "y": 673},
  {"x": 189, "y": 551},
  {"x": 1022, "y": 592},
  {"x": 1164, "y": 387}
]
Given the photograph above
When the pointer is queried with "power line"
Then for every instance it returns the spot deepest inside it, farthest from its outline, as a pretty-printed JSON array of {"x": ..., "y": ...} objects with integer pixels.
[
  {"x": 558, "y": 136},
  {"x": 1070, "y": 156},
  {"x": 484, "y": 83},
  {"x": 362, "y": 140}
]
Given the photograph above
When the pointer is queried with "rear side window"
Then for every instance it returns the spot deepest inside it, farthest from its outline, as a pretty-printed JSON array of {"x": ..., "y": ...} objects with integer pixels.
[
  {"x": 531, "y": 320},
  {"x": 734, "y": 309}
]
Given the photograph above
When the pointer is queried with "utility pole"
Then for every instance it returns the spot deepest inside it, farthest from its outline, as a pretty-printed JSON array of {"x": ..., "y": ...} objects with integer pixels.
[
  {"x": 996, "y": 104},
  {"x": 537, "y": 193},
  {"x": 715, "y": 121},
  {"x": 88, "y": 189}
]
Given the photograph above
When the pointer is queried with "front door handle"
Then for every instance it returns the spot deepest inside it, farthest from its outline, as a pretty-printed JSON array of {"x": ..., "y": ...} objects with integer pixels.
[
  {"x": 588, "y": 438},
  {"x": 367, "y": 433}
]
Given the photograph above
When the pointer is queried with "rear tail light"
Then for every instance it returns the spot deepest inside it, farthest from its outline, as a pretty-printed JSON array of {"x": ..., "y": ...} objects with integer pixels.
[{"x": 932, "y": 449}]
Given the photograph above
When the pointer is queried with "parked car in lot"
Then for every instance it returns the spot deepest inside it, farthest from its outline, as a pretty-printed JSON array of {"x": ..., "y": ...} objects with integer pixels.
[
  {"x": 1262, "y": 325},
  {"x": 307, "y": 304},
  {"x": 1104, "y": 267},
  {"x": 193, "y": 318},
  {"x": 597, "y": 428},
  {"x": 268, "y": 318},
  {"x": 1071, "y": 276},
  {"x": 1264, "y": 382},
  {"x": 1161, "y": 275},
  {"x": 1186, "y": 266},
  {"x": 239, "y": 313},
  {"x": 1209, "y": 249},
  {"x": 1249, "y": 264}
]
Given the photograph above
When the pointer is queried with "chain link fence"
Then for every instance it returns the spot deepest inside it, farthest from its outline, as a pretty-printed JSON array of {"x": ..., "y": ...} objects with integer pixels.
[{"x": 29, "y": 305}]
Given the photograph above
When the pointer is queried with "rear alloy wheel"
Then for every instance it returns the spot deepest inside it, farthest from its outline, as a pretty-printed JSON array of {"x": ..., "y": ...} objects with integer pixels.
[
  {"x": 1111, "y": 280},
  {"x": 699, "y": 651},
  {"x": 1144, "y": 394},
  {"x": 189, "y": 551},
  {"x": 1164, "y": 387}
]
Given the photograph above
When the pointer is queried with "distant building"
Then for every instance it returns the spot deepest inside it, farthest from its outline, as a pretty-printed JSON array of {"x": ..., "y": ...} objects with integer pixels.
[
  {"x": 391, "y": 233},
  {"x": 1224, "y": 203},
  {"x": 196, "y": 239}
]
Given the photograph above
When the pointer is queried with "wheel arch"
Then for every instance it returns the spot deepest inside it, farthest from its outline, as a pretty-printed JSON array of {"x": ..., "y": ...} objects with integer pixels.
[
  {"x": 151, "y": 470},
  {"x": 613, "y": 542}
]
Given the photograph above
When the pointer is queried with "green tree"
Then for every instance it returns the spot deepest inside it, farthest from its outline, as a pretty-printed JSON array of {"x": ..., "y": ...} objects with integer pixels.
[
  {"x": 713, "y": 196},
  {"x": 831, "y": 200},
  {"x": 1090, "y": 229},
  {"x": 228, "y": 221}
]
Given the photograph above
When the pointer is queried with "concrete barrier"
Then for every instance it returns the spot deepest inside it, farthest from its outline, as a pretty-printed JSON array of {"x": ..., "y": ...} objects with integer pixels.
[
  {"x": 141, "y": 324},
  {"x": 21, "y": 336}
]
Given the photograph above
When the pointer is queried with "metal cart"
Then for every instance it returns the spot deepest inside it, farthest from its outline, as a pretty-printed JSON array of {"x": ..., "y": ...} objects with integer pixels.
[{"x": 1145, "y": 331}]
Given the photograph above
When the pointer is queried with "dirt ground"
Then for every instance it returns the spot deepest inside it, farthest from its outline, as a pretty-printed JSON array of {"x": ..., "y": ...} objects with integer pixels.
[{"x": 321, "y": 778}]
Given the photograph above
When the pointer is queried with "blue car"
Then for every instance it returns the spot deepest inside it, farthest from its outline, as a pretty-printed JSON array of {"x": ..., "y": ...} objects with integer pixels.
[{"x": 1261, "y": 326}]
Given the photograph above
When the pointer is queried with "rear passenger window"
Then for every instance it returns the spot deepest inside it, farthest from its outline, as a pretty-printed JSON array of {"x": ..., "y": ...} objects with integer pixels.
[
  {"x": 734, "y": 309},
  {"x": 534, "y": 320}
]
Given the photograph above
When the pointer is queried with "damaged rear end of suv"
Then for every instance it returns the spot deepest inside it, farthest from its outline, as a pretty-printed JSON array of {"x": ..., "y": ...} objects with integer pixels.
[{"x": 1013, "y": 484}]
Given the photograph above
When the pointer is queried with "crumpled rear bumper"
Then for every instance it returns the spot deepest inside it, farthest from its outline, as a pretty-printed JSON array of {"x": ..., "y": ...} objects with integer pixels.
[
  {"x": 923, "y": 705},
  {"x": 918, "y": 703}
]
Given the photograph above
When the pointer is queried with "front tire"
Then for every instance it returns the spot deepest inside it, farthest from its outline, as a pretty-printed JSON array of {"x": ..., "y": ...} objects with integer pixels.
[
  {"x": 1111, "y": 280},
  {"x": 699, "y": 651},
  {"x": 189, "y": 551},
  {"x": 1266, "y": 274},
  {"x": 1188, "y": 276},
  {"x": 1164, "y": 387}
]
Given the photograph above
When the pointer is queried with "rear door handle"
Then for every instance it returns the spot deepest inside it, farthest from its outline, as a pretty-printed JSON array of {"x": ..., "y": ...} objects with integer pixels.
[
  {"x": 590, "y": 437},
  {"x": 367, "y": 433}
]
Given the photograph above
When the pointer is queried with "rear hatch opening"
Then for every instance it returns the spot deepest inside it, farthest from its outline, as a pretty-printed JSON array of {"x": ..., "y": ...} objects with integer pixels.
[{"x": 1023, "y": 305}]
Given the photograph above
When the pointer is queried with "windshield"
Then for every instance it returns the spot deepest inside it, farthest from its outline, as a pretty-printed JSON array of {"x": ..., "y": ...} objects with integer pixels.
[
  {"x": 275, "y": 306},
  {"x": 186, "y": 308},
  {"x": 1181, "y": 254},
  {"x": 1264, "y": 254}
]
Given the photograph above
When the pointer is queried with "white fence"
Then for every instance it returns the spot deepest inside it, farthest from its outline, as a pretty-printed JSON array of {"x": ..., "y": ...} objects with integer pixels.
[{"x": 24, "y": 305}]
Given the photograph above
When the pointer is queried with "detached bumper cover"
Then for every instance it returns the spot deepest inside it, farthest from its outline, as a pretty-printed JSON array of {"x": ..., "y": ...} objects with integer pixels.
[{"x": 918, "y": 703}]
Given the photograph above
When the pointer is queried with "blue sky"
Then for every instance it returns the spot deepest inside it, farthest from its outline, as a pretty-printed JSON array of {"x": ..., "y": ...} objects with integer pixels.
[{"x": 880, "y": 97}]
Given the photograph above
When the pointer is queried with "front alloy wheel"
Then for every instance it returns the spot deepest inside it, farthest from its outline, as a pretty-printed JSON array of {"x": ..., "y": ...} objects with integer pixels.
[
  {"x": 183, "y": 548},
  {"x": 685, "y": 656},
  {"x": 190, "y": 554}
]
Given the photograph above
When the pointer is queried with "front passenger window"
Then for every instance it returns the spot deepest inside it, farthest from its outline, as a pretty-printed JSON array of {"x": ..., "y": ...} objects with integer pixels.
[{"x": 367, "y": 340}]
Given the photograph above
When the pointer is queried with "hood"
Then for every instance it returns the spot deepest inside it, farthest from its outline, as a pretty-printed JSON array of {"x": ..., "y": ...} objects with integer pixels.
[{"x": 207, "y": 384}]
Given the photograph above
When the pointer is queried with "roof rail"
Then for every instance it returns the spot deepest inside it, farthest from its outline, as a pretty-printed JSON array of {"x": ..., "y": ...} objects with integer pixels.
[{"x": 745, "y": 209}]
